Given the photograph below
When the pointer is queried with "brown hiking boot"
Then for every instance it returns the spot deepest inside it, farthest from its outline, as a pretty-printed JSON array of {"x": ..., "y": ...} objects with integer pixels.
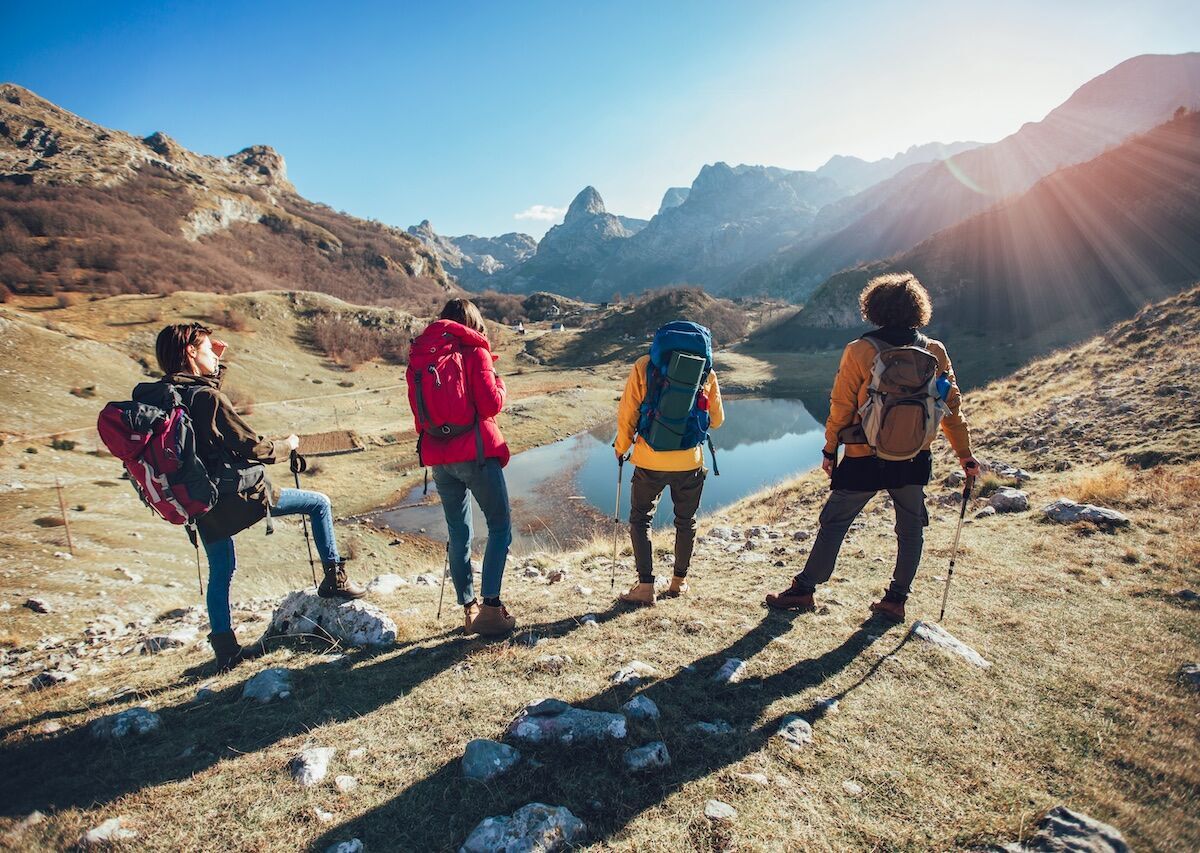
[
  {"x": 470, "y": 613},
  {"x": 229, "y": 652},
  {"x": 791, "y": 598},
  {"x": 492, "y": 621},
  {"x": 639, "y": 593},
  {"x": 337, "y": 583},
  {"x": 893, "y": 611},
  {"x": 678, "y": 587}
]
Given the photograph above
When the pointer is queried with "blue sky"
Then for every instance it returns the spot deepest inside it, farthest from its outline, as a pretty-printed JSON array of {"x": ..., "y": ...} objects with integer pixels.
[{"x": 470, "y": 114}]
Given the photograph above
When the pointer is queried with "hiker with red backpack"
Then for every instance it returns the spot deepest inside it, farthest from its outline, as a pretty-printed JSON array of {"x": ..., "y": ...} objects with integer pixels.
[
  {"x": 671, "y": 401},
  {"x": 203, "y": 466},
  {"x": 455, "y": 395},
  {"x": 894, "y": 388}
]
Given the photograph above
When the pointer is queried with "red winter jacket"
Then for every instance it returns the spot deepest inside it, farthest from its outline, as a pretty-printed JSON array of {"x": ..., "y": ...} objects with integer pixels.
[{"x": 459, "y": 384}]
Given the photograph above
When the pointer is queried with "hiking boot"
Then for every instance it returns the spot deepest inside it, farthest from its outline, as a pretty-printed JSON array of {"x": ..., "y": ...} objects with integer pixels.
[
  {"x": 792, "y": 598},
  {"x": 470, "y": 613},
  {"x": 893, "y": 611},
  {"x": 639, "y": 593},
  {"x": 678, "y": 587},
  {"x": 337, "y": 584},
  {"x": 492, "y": 621},
  {"x": 229, "y": 652}
]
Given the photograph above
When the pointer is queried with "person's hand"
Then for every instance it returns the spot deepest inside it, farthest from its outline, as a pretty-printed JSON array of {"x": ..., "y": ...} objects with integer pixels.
[
  {"x": 970, "y": 466},
  {"x": 293, "y": 442},
  {"x": 620, "y": 455},
  {"x": 827, "y": 467}
]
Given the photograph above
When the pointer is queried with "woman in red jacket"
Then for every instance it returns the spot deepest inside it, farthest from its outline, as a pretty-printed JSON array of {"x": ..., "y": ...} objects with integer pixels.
[{"x": 455, "y": 394}]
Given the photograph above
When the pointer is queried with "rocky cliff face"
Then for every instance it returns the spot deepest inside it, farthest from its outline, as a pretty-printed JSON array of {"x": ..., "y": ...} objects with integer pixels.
[
  {"x": 854, "y": 174},
  {"x": 474, "y": 260},
  {"x": 673, "y": 197}
]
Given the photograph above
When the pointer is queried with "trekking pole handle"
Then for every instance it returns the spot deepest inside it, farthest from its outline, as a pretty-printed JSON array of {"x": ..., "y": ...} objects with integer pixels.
[{"x": 297, "y": 463}]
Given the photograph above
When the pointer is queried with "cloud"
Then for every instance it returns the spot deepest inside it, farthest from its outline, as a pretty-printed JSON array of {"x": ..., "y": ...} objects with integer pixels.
[{"x": 541, "y": 213}]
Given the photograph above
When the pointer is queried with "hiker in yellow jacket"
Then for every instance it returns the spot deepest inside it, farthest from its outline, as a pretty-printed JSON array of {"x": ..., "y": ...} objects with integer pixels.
[
  {"x": 899, "y": 305},
  {"x": 681, "y": 471}
]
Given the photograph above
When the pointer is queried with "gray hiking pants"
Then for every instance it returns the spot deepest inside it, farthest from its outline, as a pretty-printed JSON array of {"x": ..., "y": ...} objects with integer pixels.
[
  {"x": 646, "y": 489},
  {"x": 840, "y": 511}
]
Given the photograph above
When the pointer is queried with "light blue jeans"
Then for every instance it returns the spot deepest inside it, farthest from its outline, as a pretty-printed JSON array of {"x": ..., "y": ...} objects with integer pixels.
[
  {"x": 455, "y": 484},
  {"x": 222, "y": 559}
]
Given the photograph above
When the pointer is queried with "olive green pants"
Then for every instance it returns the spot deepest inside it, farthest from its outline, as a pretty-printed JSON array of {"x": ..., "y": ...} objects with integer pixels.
[{"x": 645, "y": 491}]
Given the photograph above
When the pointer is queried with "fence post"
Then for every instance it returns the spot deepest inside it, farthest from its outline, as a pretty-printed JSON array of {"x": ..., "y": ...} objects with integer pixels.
[{"x": 62, "y": 506}]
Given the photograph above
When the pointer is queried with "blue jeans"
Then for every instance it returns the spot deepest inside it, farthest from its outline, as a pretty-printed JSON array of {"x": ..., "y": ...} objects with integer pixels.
[
  {"x": 455, "y": 483},
  {"x": 222, "y": 559}
]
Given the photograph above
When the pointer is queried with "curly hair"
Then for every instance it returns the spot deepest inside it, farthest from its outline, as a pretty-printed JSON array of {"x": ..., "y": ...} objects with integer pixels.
[
  {"x": 171, "y": 346},
  {"x": 896, "y": 299}
]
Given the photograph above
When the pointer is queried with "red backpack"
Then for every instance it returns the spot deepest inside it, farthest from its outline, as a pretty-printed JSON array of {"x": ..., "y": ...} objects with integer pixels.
[
  {"x": 437, "y": 389},
  {"x": 158, "y": 448}
]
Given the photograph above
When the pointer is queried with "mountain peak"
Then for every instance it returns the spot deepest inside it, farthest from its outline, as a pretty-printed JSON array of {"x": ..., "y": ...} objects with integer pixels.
[{"x": 587, "y": 203}]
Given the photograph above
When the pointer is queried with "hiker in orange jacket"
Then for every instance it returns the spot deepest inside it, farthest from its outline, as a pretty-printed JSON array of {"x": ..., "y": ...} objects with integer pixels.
[{"x": 899, "y": 306}]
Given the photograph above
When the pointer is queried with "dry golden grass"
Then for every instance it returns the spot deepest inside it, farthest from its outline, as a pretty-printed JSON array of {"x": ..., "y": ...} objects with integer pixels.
[{"x": 1107, "y": 485}]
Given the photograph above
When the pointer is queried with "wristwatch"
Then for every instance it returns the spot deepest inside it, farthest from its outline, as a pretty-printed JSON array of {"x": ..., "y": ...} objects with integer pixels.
[{"x": 832, "y": 457}]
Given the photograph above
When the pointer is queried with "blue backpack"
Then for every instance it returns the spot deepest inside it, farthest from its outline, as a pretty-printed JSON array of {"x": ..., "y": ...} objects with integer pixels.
[{"x": 672, "y": 416}]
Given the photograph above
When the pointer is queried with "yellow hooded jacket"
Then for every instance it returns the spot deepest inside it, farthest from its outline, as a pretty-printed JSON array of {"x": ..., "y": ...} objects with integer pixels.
[{"x": 645, "y": 456}]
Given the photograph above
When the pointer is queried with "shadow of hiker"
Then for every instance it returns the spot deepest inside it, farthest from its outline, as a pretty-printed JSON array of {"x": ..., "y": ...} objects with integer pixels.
[
  {"x": 70, "y": 769},
  {"x": 416, "y": 819}
]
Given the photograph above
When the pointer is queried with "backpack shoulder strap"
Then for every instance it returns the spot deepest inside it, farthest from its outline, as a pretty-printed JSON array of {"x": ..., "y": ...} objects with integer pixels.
[{"x": 880, "y": 346}]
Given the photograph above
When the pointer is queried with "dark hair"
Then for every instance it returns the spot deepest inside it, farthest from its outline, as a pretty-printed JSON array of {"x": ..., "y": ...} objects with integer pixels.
[
  {"x": 171, "y": 346},
  {"x": 896, "y": 299},
  {"x": 464, "y": 311}
]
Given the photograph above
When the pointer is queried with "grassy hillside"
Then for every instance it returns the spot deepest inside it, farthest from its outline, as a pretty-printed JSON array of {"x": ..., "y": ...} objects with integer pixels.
[{"x": 1081, "y": 705}]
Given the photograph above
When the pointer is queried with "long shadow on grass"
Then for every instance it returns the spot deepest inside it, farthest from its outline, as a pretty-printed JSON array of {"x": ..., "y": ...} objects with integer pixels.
[
  {"x": 439, "y": 811},
  {"x": 72, "y": 770}
]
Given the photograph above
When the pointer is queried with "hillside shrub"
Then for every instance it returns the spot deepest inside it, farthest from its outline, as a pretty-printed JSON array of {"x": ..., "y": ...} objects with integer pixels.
[{"x": 351, "y": 343}]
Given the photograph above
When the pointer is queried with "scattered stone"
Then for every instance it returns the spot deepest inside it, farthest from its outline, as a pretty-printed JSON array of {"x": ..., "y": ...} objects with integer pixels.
[
  {"x": 1189, "y": 674},
  {"x": 939, "y": 636},
  {"x": 177, "y": 639},
  {"x": 583, "y": 591},
  {"x": 553, "y": 664},
  {"x": 749, "y": 557},
  {"x": 39, "y": 605},
  {"x": 1007, "y": 499},
  {"x": 640, "y": 708},
  {"x": 386, "y": 584},
  {"x": 759, "y": 779},
  {"x": 719, "y": 812},
  {"x": 1071, "y": 832},
  {"x": 986, "y": 512},
  {"x": 716, "y": 727},
  {"x": 50, "y": 678},
  {"x": 802, "y": 535},
  {"x": 633, "y": 673},
  {"x": 732, "y": 671},
  {"x": 345, "y": 784},
  {"x": 1187, "y": 595},
  {"x": 531, "y": 572},
  {"x": 128, "y": 575},
  {"x": 556, "y": 576},
  {"x": 533, "y": 828},
  {"x": 63, "y": 555},
  {"x": 826, "y": 706},
  {"x": 589, "y": 620},
  {"x": 554, "y": 721},
  {"x": 1066, "y": 511},
  {"x": 726, "y": 533},
  {"x": 51, "y": 727},
  {"x": 351, "y": 623},
  {"x": 852, "y": 788},
  {"x": 652, "y": 756},
  {"x": 351, "y": 846},
  {"x": 111, "y": 831},
  {"x": 427, "y": 580},
  {"x": 268, "y": 685},
  {"x": 311, "y": 765},
  {"x": 356, "y": 754},
  {"x": 322, "y": 815},
  {"x": 954, "y": 480},
  {"x": 795, "y": 731},
  {"x": 484, "y": 760},
  {"x": 133, "y": 721}
]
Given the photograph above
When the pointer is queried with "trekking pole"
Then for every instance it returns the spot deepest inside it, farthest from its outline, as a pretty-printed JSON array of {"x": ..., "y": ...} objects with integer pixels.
[
  {"x": 616, "y": 522},
  {"x": 962, "y": 513},
  {"x": 445, "y": 573},
  {"x": 298, "y": 463}
]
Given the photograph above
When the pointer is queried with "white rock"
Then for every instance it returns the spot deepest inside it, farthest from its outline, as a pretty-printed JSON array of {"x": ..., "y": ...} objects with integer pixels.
[
  {"x": 133, "y": 721},
  {"x": 640, "y": 708},
  {"x": 986, "y": 512},
  {"x": 554, "y": 721},
  {"x": 345, "y": 784},
  {"x": 111, "y": 831},
  {"x": 356, "y": 754},
  {"x": 852, "y": 788},
  {"x": 322, "y": 815},
  {"x": 351, "y": 846},
  {"x": 716, "y": 727},
  {"x": 759, "y": 779},
  {"x": 427, "y": 580},
  {"x": 533, "y": 828},
  {"x": 554, "y": 664},
  {"x": 795, "y": 732},
  {"x": 1007, "y": 499},
  {"x": 719, "y": 812},
  {"x": 128, "y": 575},
  {"x": 205, "y": 692},
  {"x": 177, "y": 639},
  {"x": 351, "y": 623},
  {"x": 652, "y": 756},
  {"x": 1071, "y": 832},
  {"x": 311, "y": 765},
  {"x": 268, "y": 685},
  {"x": 589, "y": 620},
  {"x": 725, "y": 533},
  {"x": 937, "y": 635},
  {"x": 484, "y": 760},
  {"x": 1065, "y": 511},
  {"x": 826, "y": 706},
  {"x": 63, "y": 555},
  {"x": 583, "y": 591},
  {"x": 633, "y": 673},
  {"x": 386, "y": 584},
  {"x": 732, "y": 671}
]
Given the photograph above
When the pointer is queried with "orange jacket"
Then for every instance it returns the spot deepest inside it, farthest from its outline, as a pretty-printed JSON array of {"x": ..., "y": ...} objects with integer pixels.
[
  {"x": 645, "y": 456},
  {"x": 850, "y": 392}
]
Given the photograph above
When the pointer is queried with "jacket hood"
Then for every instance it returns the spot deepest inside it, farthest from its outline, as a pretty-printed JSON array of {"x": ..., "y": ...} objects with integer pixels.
[{"x": 441, "y": 337}]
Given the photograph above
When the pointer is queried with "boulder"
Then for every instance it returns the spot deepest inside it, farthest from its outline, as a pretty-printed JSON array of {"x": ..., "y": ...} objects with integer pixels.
[
  {"x": 732, "y": 671},
  {"x": 386, "y": 584},
  {"x": 133, "y": 721},
  {"x": 351, "y": 623},
  {"x": 533, "y": 828},
  {"x": 310, "y": 767},
  {"x": 268, "y": 685},
  {"x": 640, "y": 708},
  {"x": 719, "y": 812},
  {"x": 712, "y": 729},
  {"x": 552, "y": 721},
  {"x": 937, "y": 635},
  {"x": 1066, "y": 511},
  {"x": 1065, "y": 831},
  {"x": 633, "y": 673},
  {"x": 113, "y": 830},
  {"x": 1006, "y": 499},
  {"x": 795, "y": 731},
  {"x": 652, "y": 756},
  {"x": 484, "y": 760}
]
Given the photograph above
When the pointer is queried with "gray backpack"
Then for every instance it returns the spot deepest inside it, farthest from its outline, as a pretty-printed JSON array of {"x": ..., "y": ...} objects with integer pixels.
[{"x": 904, "y": 408}]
